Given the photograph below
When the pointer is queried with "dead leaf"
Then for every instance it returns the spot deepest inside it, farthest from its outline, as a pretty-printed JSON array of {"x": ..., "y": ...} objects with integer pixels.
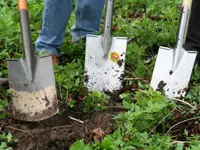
[
  {"x": 177, "y": 114},
  {"x": 97, "y": 134},
  {"x": 83, "y": 94},
  {"x": 115, "y": 28},
  {"x": 69, "y": 98}
]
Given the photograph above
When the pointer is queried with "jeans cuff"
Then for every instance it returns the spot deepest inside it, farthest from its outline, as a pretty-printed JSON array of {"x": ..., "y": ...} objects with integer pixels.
[{"x": 48, "y": 51}]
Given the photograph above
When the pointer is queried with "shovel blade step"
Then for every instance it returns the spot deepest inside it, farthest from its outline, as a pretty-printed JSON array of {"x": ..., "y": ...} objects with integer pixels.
[
  {"x": 175, "y": 83},
  {"x": 32, "y": 100},
  {"x": 104, "y": 74}
]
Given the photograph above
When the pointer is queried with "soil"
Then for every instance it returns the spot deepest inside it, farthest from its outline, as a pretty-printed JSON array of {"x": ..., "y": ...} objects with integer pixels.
[
  {"x": 59, "y": 132},
  {"x": 161, "y": 86}
]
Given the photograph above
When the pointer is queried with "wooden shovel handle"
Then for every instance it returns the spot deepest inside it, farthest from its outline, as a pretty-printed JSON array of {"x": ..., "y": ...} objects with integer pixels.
[
  {"x": 187, "y": 3},
  {"x": 22, "y": 4}
]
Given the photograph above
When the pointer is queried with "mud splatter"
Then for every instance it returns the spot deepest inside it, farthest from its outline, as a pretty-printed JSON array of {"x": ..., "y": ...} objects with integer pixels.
[
  {"x": 161, "y": 86},
  {"x": 120, "y": 62},
  {"x": 86, "y": 79},
  {"x": 122, "y": 54},
  {"x": 25, "y": 84},
  {"x": 121, "y": 78},
  {"x": 115, "y": 95},
  {"x": 47, "y": 101},
  {"x": 48, "y": 98},
  {"x": 179, "y": 92},
  {"x": 184, "y": 90}
]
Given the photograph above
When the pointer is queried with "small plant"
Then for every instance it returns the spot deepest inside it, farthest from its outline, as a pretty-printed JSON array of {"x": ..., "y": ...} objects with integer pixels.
[
  {"x": 69, "y": 79},
  {"x": 149, "y": 109},
  {"x": 3, "y": 102},
  {"x": 6, "y": 140},
  {"x": 96, "y": 100}
]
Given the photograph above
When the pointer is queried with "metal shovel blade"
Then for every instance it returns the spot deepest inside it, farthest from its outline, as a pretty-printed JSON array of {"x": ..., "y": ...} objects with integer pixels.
[
  {"x": 174, "y": 83},
  {"x": 32, "y": 100},
  {"x": 104, "y": 73}
]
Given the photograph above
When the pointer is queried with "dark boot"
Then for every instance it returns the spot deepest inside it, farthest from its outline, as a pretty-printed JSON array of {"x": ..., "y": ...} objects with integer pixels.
[{"x": 193, "y": 35}]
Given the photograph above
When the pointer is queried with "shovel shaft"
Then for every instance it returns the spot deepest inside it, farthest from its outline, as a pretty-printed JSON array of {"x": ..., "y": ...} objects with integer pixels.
[
  {"x": 107, "y": 32},
  {"x": 187, "y": 3},
  {"x": 25, "y": 28},
  {"x": 26, "y": 34},
  {"x": 183, "y": 28},
  {"x": 22, "y": 4},
  {"x": 28, "y": 53},
  {"x": 108, "y": 18}
]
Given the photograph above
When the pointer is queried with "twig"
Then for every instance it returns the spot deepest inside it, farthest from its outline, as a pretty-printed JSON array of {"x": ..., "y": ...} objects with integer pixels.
[
  {"x": 2, "y": 126},
  {"x": 161, "y": 121},
  {"x": 60, "y": 127},
  {"x": 19, "y": 130},
  {"x": 130, "y": 69},
  {"x": 77, "y": 120},
  {"x": 117, "y": 107},
  {"x": 44, "y": 147},
  {"x": 86, "y": 129},
  {"x": 127, "y": 72},
  {"x": 182, "y": 142},
  {"x": 136, "y": 13},
  {"x": 2, "y": 96},
  {"x": 30, "y": 147},
  {"x": 139, "y": 90},
  {"x": 135, "y": 89},
  {"x": 130, "y": 39},
  {"x": 149, "y": 59},
  {"x": 182, "y": 101},
  {"x": 135, "y": 79},
  {"x": 129, "y": 79},
  {"x": 181, "y": 123}
]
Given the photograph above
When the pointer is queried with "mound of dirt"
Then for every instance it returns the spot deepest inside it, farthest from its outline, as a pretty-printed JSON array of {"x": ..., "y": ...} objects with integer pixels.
[{"x": 59, "y": 132}]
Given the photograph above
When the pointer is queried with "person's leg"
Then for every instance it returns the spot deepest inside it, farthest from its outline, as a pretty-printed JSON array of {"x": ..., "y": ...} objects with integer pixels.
[
  {"x": 55, "y": 18},
  {"x": 193, "y": 35},
  {"x": 87, "y": 18}
]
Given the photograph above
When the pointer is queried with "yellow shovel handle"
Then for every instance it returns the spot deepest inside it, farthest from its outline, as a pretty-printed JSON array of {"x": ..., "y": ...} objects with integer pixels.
[
  {"x": 187, "y": 3},
  {"x": 22, "y": 4}
]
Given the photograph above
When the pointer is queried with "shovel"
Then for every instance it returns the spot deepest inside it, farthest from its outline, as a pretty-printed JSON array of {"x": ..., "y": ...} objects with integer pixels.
[
  {"x": 31, "y": 79},
  {"x": 173, "y": 67},
  {"x": 105, "y": 57}
]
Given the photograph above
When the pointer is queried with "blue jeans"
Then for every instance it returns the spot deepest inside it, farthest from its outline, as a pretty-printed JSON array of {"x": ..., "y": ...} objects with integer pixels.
[{"x": 55, "y": 18}]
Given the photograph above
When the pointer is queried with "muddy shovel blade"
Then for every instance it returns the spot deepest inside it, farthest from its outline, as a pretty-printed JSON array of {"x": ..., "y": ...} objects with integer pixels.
[
  {"x": 104, "y": 74},
  {"x": 31, "y": 79},
  {"x": 105, "y": 57},
  {"x": 32, "y": 100},
  {"x": 173, "y": 67},
  {"x": 174, "y": 83}
]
